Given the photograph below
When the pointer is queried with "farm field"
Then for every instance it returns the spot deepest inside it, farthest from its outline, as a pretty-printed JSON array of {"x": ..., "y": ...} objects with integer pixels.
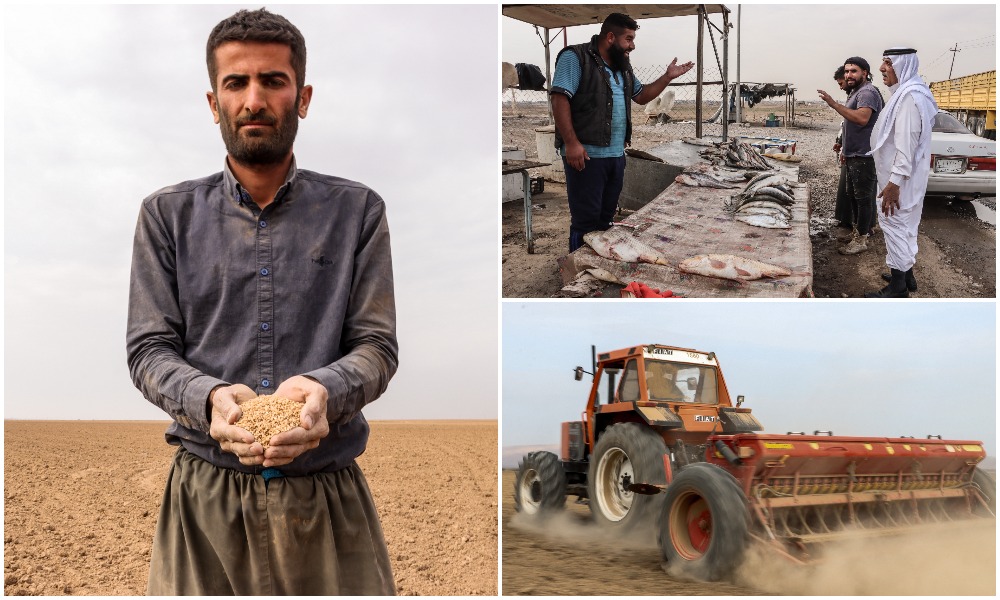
[
  {"x": 81, "y": 500},
  {"x": 569, "y": 555}
]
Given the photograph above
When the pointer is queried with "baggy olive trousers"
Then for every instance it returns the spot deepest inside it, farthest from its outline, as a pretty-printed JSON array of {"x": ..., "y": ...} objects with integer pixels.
[{"x": 222, "y": 532}]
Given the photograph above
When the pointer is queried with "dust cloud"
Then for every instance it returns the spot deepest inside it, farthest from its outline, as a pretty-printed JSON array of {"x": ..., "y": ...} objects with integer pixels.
[
  {"x": 958, "y": 561},
  {"x": 575, "y": 528}
]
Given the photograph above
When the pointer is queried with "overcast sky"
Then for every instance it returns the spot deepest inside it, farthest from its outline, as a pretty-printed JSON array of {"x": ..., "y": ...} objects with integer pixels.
[
  {"x": 800, "y": 44},
  {"x": 105, "y": 105},
  {"x": 866, "y": 369}
]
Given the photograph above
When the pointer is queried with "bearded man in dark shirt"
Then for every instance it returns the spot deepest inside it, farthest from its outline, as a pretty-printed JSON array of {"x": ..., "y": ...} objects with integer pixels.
[{"x": 263, "y": 279}]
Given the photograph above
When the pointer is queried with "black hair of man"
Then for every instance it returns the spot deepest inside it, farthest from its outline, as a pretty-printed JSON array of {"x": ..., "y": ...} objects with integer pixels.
[
  {"x": 839, "y": 73},
  {"x": 617, "y": 23},
  {"x": 258, "y": 26},
  {"x": 861, "y": 64}
]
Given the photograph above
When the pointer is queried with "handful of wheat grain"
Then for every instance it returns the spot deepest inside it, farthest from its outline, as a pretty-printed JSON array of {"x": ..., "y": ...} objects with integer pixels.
[{"x": 267, "y": 416}]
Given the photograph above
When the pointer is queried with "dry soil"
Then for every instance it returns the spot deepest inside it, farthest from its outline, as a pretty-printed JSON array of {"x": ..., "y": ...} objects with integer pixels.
[
  {"x": 957, "y": 257},
  {"x": 569, "y": 555},
  {"x": 81, "y": 500}
]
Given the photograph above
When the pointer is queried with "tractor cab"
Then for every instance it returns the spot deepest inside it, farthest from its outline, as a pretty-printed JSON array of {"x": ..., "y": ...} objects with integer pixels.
[{"x": 656, "y": 373}]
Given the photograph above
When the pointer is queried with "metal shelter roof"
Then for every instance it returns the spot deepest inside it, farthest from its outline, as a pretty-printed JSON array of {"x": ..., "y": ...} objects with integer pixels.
[
  {"x": 553, "y": 16},
  {"x": 556, "y": 16}
]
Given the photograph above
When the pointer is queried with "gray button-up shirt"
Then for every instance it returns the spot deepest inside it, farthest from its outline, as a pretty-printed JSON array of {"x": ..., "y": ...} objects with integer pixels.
[{"x": 224, "y": 293}]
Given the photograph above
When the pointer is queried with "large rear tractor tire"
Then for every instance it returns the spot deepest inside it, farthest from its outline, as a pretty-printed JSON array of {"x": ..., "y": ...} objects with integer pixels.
[
  {"x": 626, "y": 453},
  {"x": 540, "y": 485},
  {"x": 705, "y": 523}
]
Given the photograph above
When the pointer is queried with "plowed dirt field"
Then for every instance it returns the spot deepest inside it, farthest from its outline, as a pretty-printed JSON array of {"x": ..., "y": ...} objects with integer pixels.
[
  {"x": 569, "y": 555},
  {"x": 81, "y": 500}
]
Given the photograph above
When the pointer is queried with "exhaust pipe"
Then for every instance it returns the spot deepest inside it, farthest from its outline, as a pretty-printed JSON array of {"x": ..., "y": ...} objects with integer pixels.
[{"x": 728, "y": 453}]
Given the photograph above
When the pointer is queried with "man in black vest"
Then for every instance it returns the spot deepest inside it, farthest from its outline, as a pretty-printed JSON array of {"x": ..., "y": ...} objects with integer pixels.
[{"x": 590, "y": 94}]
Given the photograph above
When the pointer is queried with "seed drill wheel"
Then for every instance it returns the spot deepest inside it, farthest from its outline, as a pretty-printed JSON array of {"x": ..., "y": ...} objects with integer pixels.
[
  {"x": 626, "y": 453},
  {"x": 988, "y": 485},
  {"x": 540, "y": 485},
  {"x": 705, "y": 523}
]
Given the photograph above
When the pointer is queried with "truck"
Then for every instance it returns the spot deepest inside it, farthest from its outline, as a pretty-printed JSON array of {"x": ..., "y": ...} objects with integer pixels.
[
  {"x": 972, "y": 99},
  {"x": 668, "y": 450}
]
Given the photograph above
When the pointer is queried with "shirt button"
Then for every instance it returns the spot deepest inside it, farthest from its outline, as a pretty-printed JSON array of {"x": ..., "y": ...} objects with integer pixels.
[
  {"x": 264, "y": 326},
  {"x": 264, "y": 272},
  {"x": 263, "y": 224},
  {"x": 266, "y": 383}
]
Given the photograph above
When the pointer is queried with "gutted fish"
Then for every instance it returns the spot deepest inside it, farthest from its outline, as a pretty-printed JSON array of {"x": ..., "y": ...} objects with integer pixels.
[
  {"x": 618, "y": 244},
  {"x": 728, "y": 266},
  {"x": 770, "y": 221},
  {"x": 760, "y": 207}
]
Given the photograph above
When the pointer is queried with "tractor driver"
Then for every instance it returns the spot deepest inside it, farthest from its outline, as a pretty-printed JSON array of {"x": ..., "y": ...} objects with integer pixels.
[{"x": 661, "y": 382}]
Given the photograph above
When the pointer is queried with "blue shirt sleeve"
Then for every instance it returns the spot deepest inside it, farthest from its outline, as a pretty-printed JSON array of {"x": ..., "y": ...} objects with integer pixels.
[
  {"x": 636, "y": 87},
  {"x": 567, "y": 77}
]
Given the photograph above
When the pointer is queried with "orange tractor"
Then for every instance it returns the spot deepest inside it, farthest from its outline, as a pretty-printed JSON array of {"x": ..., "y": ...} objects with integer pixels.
[{"x": 669, "y": 450}]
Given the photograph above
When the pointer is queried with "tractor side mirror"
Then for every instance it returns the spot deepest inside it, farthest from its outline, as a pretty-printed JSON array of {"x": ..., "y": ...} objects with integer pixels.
[
  {"x": 578, "y": 373},
  {"x": 692, "y": 383},
  {"x": 739, "y": 401}
]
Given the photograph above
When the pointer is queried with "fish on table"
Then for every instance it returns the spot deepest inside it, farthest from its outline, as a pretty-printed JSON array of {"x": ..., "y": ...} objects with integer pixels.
[
  {"x": 621, "y": 245},
  {"x": 695, "y": 179},
  {"x": 728, "y": 266},
  {"x": 767, "y": 220}
]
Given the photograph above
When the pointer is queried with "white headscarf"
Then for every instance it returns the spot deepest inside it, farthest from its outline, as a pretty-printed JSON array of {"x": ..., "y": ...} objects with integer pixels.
[{"x": 909, "y": 83}]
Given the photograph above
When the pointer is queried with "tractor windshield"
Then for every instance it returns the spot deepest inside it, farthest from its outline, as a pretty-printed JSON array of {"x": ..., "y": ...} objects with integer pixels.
[{"x": 678, "y": 382}]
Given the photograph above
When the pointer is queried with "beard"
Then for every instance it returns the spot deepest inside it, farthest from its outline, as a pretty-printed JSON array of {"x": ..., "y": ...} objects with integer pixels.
[
  {"x": 258, "y": 147},
  {"x": 619, "y": 61}
]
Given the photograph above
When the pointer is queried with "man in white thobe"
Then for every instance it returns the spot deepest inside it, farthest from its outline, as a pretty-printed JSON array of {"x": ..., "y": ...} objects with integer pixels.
[{"x": 901, "y": 142}]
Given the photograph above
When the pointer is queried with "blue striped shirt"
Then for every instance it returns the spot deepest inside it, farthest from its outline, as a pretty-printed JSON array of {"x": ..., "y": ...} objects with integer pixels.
[{"x": 567, "y": 77}]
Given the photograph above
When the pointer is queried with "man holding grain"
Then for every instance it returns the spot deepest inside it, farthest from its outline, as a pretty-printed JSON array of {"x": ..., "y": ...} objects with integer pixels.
[{"x": 263, "y": 279}]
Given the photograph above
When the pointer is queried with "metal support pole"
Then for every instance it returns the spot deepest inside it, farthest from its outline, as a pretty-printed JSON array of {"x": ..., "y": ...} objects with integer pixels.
[
  {"x": 548, "y": 82},
  {"x": 527, "y": 212},
  {"x": 725, "y": 75},
  {"x": 739, "y": 96},
  {"x": 701, "y": 72}
]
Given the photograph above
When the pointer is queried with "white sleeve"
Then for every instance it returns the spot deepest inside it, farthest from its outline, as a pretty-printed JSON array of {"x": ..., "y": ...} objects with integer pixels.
[{"x": 906, "y": 135}]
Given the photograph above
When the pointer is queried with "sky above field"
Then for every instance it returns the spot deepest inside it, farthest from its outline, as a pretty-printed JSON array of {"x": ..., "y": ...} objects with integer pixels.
[
  {"x": 105, "y": 105},
  {"x": 800, "y": 44},
  {"x": 856, "y": 368}
]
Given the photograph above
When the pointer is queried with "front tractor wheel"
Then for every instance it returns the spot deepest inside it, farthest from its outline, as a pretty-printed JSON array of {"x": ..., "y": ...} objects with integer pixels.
[
  {"x": 705, "y": 523},
  {"x": 540, "y": 485},
  {"x": 626, "y": 453}
]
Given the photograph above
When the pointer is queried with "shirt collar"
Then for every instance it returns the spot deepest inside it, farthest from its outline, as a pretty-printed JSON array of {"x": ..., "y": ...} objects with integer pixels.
[{"x": 235, "y": 191}]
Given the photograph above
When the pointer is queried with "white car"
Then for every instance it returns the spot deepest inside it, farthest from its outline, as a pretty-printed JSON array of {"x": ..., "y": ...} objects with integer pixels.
[{"x": 962, "y": 163}]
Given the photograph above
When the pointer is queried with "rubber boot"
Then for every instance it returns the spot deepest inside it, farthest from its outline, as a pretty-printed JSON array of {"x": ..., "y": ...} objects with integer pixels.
[
  {"x": 895, "y": 289},
  {"x": 911, "y": 281}
]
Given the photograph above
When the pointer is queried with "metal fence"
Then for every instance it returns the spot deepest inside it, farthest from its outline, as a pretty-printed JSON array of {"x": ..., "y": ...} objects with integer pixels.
[{"x": 685, "y": 96}]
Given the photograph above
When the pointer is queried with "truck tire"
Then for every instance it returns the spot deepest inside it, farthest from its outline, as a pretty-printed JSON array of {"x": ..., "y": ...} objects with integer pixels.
[
  {"x": 626, "y": 453},
  {"x": 988, "y": 485},
  {"x": 705, "y": 525},
  {"x": 540, "y": 484}
]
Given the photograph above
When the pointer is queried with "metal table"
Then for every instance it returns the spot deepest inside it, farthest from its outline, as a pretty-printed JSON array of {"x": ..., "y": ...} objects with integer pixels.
[{"x": 521, "y": 166}]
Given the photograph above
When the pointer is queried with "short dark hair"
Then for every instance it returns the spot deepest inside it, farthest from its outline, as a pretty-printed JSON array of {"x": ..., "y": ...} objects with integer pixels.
[
  {"x": 839, "y": 73},
  {"x": 616, "y": 23},
  {"x": 258, "y": 26}
]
